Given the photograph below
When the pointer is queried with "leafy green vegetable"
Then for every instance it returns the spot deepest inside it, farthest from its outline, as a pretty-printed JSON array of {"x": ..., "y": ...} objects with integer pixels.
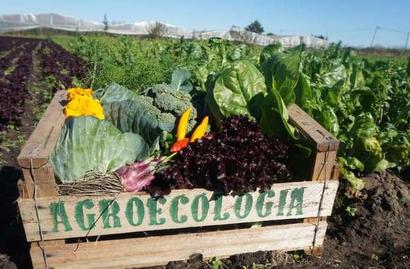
[
  {"x": 180, "y": 80},
  {"x": 368, "y": 101},
  {"x": 282, "y": 72},
  {"x": 274, "y": 120},
  {"x": 238, "y": 90},
  {"x": 268, "y": 52},
  {"x": 87, "y": 143},
  {"x": 345, "y": 165},
  {"x": 130, "y": 112},
  {"x": 396, "y": 145},
  {"x": 366, "y": 147},
  {"x": 327, "y": 117},
  {"x": 303, "y": 93},
  {"x": 352, "y": 163}
]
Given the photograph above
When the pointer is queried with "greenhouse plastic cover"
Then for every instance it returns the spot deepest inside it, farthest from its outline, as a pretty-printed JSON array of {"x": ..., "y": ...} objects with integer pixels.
[{"x": 21, "y": 22}]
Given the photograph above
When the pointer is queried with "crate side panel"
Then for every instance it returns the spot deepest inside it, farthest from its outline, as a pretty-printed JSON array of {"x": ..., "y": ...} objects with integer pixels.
[
  {"x": 45, "y": 180},
  {"x": 323, "y": 165},
  {"x": 159, "y": 250},
  {"x": 70, "y": 216}
]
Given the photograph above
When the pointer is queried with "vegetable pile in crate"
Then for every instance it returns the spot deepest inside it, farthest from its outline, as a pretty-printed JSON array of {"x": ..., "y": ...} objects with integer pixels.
[
  {"x": 108, "y": 134},
  {"x": 170, "y": 158}
]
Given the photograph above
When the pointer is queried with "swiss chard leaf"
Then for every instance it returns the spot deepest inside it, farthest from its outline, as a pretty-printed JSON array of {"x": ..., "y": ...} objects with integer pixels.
[
  {"x": 268, "y": 52},
  {"x": 238, "y": 90},
  {"x": 327, "y": 117},
  {"x": 282, "y": 72},
  {"x": 366, "y": 145},
  {"x": 303, "y": 93},
  {"x": 274, "y": 119}
]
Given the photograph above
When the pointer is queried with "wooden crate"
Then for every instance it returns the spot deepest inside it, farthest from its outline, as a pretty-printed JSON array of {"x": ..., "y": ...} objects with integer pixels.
[{"x": 134, "y": 230}]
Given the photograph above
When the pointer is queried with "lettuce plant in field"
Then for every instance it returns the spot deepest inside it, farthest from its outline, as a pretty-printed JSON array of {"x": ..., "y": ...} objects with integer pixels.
[{"x": 238, "y": 90}]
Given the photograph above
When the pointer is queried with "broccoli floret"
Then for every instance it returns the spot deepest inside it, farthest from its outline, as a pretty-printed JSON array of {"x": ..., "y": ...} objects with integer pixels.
[
  {"x": 169, "y": 100},
  {"x": 166, "y": 121},
  {"x": 168, "y": 103},
  {"x": 146, "y": 99}
]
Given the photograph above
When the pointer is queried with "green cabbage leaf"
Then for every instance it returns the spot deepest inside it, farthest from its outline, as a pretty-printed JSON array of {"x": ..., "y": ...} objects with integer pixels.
[{"x": 87, "y": 144}]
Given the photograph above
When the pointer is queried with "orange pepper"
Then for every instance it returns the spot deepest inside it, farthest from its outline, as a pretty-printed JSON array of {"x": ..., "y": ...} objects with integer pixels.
[{"x": 180, "y": 144}]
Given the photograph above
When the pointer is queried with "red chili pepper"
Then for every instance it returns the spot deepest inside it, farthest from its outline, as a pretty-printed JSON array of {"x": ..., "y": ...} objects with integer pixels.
[{"x": 177, "y": 146}]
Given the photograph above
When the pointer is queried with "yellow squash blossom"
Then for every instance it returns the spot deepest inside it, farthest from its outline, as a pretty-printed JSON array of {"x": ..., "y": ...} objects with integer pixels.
[
  {"x": 84, "y": 105},
  {"x": 73, "y": 92}
]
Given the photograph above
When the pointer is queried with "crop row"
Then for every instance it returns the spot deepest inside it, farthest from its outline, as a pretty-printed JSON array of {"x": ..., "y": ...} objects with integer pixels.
[
  {"x": 8, "y": 43},
  {"x": 63, "y": 66},
  {"x": 16, "y": 67},
  {"x": 13, "y": 91}
]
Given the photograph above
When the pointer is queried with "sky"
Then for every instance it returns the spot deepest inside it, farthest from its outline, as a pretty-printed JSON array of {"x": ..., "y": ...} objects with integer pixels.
[{"x": 352, "y": 22}]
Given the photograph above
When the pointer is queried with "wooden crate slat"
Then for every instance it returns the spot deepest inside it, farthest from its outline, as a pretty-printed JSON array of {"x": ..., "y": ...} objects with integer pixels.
[
  {"x": 140, "y": 252},
  {"x": 321, "y": 138},
  {"x": 323, "y": 165},
  {"x": 69, "y": 216},
  {"x": 44, "y": 137},
  {"x": 45, "y": 180}
]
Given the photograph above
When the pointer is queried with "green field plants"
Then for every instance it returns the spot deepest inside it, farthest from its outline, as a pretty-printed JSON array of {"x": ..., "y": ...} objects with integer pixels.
[{"x": 137, "y": 63}]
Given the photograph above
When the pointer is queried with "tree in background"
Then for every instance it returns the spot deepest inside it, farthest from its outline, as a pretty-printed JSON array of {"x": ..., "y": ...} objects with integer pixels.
[
  {"x": 321, "y": 37},
  {"x": 255, "y": 27},
  {"x": 105, "y": 22},
  {"x": 157, "y": 30}
]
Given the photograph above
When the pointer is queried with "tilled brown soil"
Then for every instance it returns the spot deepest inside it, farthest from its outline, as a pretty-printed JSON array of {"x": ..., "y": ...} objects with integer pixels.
[{"x": 377, "y": 236}]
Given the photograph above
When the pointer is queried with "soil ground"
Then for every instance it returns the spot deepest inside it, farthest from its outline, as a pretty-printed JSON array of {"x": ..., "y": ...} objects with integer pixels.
[{"x": 374, "y": 235}]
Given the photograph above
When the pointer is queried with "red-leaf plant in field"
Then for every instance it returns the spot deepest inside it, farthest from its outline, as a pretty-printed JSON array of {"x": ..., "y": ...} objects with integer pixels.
[{"x": 16, "y": 64}]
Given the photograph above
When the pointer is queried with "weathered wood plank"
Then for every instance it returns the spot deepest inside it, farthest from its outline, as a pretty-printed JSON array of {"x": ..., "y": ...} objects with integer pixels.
[
  {"x": 321, "y": 138},
  {"x": 323, "y": 165},
  {"x": 45, "y": 180},
  {"x": 158, "y": 250},
  {"x": 335, "y": 172},
  {"x": 33, "y": 158},
  {"x": 44, "y": 137},
  {"x": 70, "y": 216}
]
